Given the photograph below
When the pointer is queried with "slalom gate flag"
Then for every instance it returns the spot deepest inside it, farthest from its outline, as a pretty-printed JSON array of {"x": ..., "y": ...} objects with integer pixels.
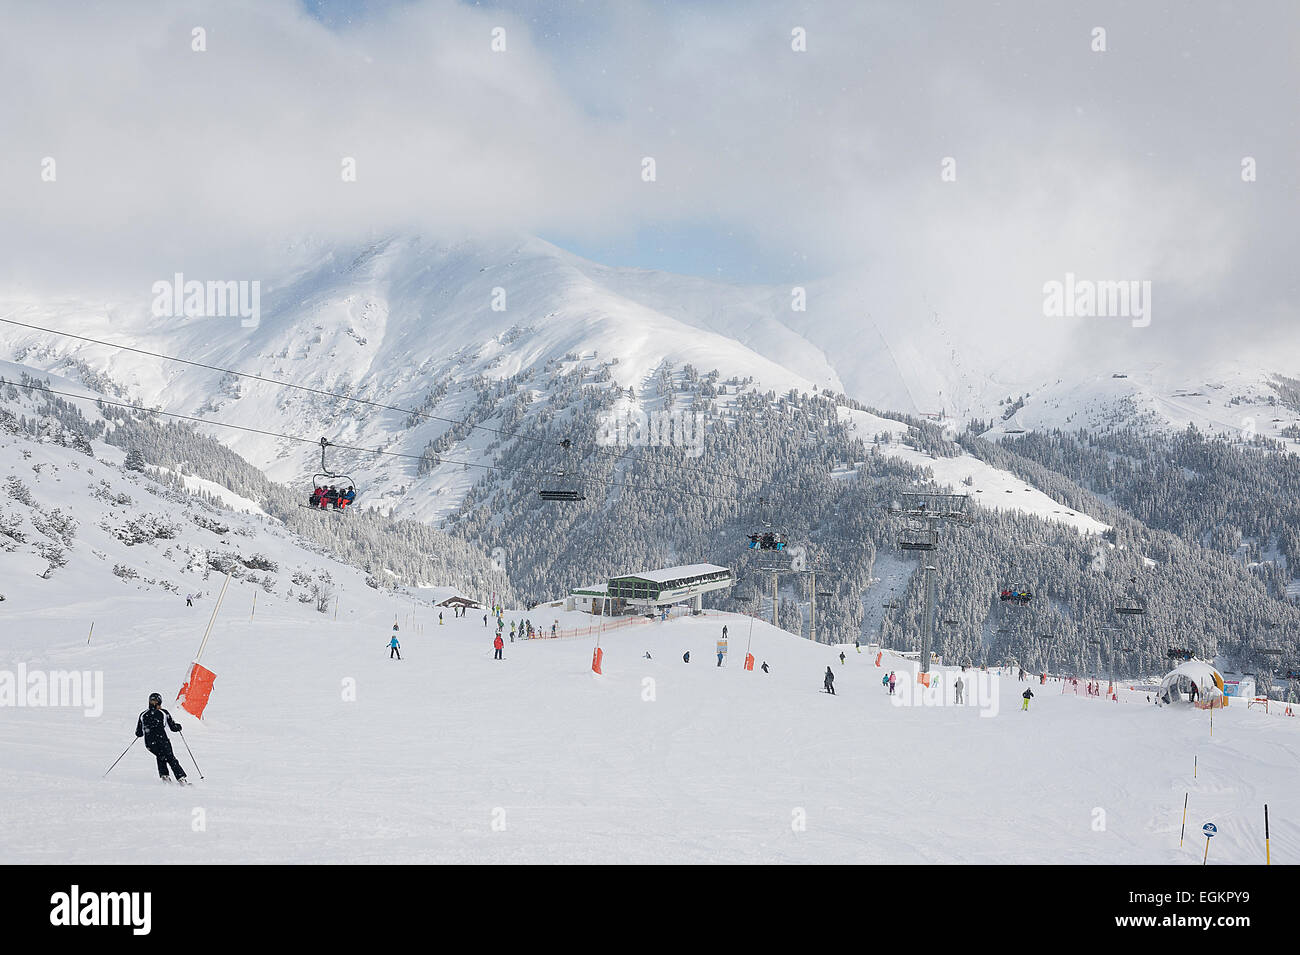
[
  {"x": 923, "y": 678},
  {"x": 749, "y": 661},
  {"x": 596, "y": 657},
  {"x": 878, "y": 656},
  {"x": 194, "y": 693}
]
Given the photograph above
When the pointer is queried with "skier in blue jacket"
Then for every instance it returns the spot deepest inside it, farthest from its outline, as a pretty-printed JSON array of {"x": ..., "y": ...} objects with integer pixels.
[{"x": 394, "y": 649}]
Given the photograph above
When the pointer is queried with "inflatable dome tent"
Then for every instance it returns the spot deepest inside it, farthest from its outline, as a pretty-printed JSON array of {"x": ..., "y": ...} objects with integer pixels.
[{"x": 1194, "y": 682}]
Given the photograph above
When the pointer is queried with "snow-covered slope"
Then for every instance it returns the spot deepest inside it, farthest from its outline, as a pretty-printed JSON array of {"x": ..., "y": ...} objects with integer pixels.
[
  {"x": 988, "y": 486},
  {"x": 1235, "y": 399},
  {"x": 317, "y": 747}
]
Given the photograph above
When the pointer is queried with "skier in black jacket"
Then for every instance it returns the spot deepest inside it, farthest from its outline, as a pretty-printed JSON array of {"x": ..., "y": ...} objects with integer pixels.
[
  {"x": 152, "y": 725},
  {"x": 830, "y": 682}
]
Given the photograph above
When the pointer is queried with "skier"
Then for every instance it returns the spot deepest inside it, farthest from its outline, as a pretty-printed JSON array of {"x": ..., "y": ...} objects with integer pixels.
[
  {"x": 440, "y": 618},
  {"x": 959, "y": 687},
  {"x": 686, "y": 657},
  {"x": 394, "y": 648},
  {"x": 892, "y": 680},
  {"x": 720, "y": 656},
  {"x": 647, "y": 655},
  {"x": 829, "y": 683},
  {"x": 884, "y": 681},
  {"x": 857, "y": 646},
  {"x": 764, "y": 667},
  {"x": 1026, "y": 696},
  {"x": 189, "y": 600},
  {"x": 485, "y": 620},
  {"x": 153, "y": 725},
  {"x": 498, "y": 643},
  {"x": 841, "y": 658},
  {"x": 724, "y": 631}
]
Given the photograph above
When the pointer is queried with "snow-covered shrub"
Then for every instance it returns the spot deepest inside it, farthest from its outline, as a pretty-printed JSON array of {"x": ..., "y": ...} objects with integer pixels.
[
  {"x": 10, "y": 531},
  {"x": 210, "y": 525},
  {"x": 55, "y": 525},
  {"x": 52, "y": 553},
  {"x": 16, "y": 490},
  {"x": 144, "y": 529},
  {"x": 125, "y": 572}
]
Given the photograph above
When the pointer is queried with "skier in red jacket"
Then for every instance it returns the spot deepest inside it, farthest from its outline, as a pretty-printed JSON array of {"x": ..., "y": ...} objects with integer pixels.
[{"x": 498, "y": 643}]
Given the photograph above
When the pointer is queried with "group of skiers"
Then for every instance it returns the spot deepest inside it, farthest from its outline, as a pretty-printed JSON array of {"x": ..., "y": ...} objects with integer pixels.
[{"x": 332, "y": 497}]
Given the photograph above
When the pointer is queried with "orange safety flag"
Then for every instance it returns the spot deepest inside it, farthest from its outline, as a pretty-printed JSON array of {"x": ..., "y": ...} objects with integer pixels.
[
  {"x": 194, "y": 693},
  {"x": 749, "y": 661},
  {"x": 923, "y": 678},
  {"x": 878, "y": 656},
  {"x": 596, "y": 657}
]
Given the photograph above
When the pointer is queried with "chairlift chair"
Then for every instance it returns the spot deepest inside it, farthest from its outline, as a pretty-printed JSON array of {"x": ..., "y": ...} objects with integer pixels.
[
  {"x": 327, "y": 478},
  {"x": 561, "y": 488},
  {"x": 1131, "y": 604}
]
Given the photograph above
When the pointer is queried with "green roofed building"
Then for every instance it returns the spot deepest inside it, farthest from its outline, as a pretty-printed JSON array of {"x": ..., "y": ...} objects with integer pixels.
[{"x": 672, "y": 585}]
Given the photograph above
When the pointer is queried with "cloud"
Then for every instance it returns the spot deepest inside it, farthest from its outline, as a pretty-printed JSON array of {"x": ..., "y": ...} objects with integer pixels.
[{"x": 1115, "y": 165}]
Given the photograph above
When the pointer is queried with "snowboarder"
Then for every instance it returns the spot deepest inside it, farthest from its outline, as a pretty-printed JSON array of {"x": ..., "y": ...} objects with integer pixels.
[
  {"x": 686, "y": 657},
  {"x": 764, "y": 667},
  {"x": 498, "y": 643},
  {"x": 153, "y": 725},
  {"x": 829, "y": 683},
  {"x": 959, "y": 687},
  {"x": 892, "y": 680},
  {"x": 1026, "y": 697},
  {"x": 394, "y": 648}
]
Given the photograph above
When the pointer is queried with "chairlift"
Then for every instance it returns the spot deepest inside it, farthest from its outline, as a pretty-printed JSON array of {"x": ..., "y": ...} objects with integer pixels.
[
  {"x": 766, "y": 539},
  {"x": 325, "y": 480},
  {"x": 1131, "y": 604},
  {"x": 561, "y": 488},
  {"x": 918, "y": 538}
]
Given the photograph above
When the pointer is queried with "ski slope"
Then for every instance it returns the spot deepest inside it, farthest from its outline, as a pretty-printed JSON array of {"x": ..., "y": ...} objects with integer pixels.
[{"x": 450, "y": 756}]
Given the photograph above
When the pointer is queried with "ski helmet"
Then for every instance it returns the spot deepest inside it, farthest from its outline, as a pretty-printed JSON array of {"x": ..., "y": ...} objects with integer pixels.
[{"x": 155, "y": 698}]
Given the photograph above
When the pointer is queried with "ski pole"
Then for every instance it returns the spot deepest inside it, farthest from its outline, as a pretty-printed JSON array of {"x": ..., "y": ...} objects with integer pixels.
[
  {"x": 191, "y": 752},
  {"x": 119, "y": 759}
]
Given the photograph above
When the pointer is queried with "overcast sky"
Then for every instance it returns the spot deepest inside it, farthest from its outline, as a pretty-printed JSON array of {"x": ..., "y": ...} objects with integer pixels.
[{"x": 773, "y": 166}]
